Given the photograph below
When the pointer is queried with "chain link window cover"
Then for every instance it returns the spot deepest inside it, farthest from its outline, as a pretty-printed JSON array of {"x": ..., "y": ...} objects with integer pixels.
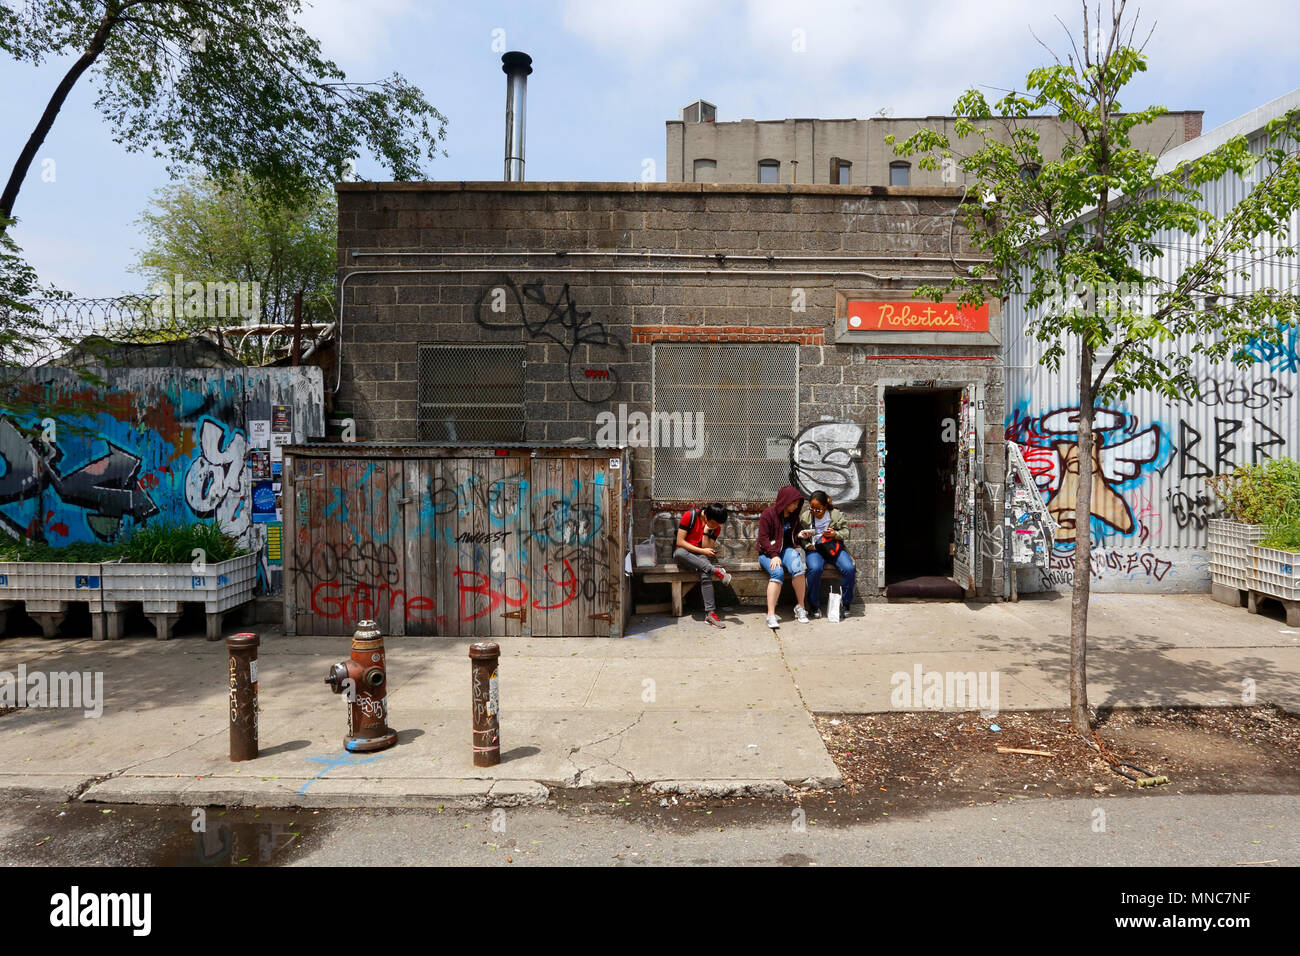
[
  {"x": 471, "y": 393},
  {"x": 747, "y": 396}
]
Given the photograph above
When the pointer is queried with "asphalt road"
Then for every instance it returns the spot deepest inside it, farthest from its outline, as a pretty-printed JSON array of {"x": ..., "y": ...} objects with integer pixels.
[{"x": 1146, "y": 830}]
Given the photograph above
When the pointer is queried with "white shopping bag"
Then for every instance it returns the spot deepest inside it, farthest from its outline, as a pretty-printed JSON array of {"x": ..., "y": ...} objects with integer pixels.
[
  {"x": 645, "y": 553},
  {"x": 833, "y": 606}
]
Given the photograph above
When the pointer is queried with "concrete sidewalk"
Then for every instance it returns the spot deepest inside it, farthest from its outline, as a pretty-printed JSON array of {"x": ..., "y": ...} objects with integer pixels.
[{"x": 676, "y": 704}]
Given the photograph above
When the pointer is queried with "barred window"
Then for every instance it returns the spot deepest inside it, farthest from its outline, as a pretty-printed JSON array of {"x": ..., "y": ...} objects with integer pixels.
[
  {"x": 746, "y": 399},
  {"x": 471, "y": 393}
]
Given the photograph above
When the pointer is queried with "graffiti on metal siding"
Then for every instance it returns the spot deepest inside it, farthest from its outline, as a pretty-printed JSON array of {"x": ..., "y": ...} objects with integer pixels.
[
  {"x": 1103, "y": 563},
  {"x": 1214, "y": 392},
  {"x": 1123, "y": 451},
  {"x": 559, "y": 321},
  {"x": 822, "y": 458},
  {"x": 1282, "y": 355},
  {"x": 1198, "y": 458}
]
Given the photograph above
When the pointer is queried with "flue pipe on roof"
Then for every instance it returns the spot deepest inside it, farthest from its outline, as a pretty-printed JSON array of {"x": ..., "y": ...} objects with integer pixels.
[{"x": 516, "y": 67}]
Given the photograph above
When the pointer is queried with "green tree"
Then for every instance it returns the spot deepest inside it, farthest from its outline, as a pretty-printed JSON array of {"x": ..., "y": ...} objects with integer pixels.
[
  {"x": 234, "y": 86},
  {"x": 208, "y": 232},
  {"x": 1080, "y": 237}
]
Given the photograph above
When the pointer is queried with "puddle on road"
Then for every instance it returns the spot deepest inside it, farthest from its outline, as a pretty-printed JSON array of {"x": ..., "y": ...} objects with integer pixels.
[{"x": 120, "y": 835}]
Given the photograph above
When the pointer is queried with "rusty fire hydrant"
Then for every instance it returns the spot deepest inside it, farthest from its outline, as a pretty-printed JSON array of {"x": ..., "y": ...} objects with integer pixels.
[{"x": 364, "y": 683}]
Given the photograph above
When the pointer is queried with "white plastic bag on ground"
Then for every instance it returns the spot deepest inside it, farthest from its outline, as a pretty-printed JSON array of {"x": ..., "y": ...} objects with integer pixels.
[{"x": 833, "y": 606}]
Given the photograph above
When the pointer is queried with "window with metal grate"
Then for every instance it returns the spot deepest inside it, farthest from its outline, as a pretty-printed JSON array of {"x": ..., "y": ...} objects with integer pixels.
[
  {"x": 746, "y": 399},
  {"x": 471, "y": 392}
]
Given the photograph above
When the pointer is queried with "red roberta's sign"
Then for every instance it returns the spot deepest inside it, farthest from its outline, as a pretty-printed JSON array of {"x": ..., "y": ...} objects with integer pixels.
[{"x": 918, "y": 316}]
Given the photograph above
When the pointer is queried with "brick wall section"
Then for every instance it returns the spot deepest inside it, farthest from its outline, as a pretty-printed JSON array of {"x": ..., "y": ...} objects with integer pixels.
[{"x": 608, "y": 306}]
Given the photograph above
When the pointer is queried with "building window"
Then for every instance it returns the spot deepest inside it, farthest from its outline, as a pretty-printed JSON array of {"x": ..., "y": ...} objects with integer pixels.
[
  {"x": 841, "y": 172},
  {"x": 706, "y": 171},
  {"x": 723, "y": 418},
  {"x": 471, "y": 393},
  {"x": 769, "y": 171},
  {"x": 900, "y": 174},
  {"x": 1029, "y": 171}
]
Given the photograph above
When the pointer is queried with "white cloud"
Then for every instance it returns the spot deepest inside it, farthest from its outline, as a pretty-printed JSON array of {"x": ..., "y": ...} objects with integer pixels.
[
  {"x": 356, "y": 35},
  {"x": 637, "y": 32}
]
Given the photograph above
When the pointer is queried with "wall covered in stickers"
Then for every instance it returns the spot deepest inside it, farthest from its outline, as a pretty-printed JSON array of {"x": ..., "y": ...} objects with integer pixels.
[{"x": 90, "y": 462}]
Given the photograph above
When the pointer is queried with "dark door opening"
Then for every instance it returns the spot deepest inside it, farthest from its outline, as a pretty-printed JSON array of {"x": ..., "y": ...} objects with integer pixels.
[{"x": 921, "y": 442}]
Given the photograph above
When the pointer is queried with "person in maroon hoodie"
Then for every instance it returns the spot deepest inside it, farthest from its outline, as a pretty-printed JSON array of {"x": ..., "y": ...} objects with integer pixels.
[{"x": 779, "y": 552}]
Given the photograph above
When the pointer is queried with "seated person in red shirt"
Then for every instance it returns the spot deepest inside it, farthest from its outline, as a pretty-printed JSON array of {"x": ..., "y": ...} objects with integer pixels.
[{"x": 697, "y": 533}]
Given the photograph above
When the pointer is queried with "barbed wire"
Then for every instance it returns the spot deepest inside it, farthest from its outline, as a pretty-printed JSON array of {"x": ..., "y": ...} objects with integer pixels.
[{"x": 107, "y": 331}]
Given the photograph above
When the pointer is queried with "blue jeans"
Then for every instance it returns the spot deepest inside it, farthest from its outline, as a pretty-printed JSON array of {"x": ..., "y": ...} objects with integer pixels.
[
  {"x": 817, "y": 563},
  {"x": 791, "y": 562}
]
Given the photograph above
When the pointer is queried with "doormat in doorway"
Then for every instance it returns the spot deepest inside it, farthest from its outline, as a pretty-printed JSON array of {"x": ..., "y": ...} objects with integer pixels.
[{"x": 931, "y": 587}]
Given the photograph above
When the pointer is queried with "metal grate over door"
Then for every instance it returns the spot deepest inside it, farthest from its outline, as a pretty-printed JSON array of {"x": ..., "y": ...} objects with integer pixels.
[
  {"x": 471, "y": 393},
  {"x": 729, "y": 414}
]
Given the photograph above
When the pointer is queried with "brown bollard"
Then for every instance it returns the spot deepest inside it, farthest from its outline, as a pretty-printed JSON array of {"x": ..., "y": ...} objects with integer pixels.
[
  {"x": 483, "y": 682},
  {"x": 243, "y": 695}
]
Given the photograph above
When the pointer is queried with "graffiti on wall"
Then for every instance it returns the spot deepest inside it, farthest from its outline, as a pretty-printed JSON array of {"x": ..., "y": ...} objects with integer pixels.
[
  {"x": 506, "y": 307},
  {"x": 1123, "y": 451},
  {"x": 502, "y": 546},
  {"x": 107, "y": 488},
  {"x": 93, "y": 462},
  {"x": 823, "y": 458}
]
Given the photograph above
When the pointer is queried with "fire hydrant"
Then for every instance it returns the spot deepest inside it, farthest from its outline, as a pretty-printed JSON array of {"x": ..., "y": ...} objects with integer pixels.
[{"x": 363, "y": 682}]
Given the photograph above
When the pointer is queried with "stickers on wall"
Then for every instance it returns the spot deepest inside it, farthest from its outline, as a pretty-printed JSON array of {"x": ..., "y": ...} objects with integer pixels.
[
  {"x": 259, "y": 465},
  {"x": 281, "y": 418},
  {"x": 274, "y": 542},
  {"x": 278, "y": 441},
  {"x": 259, "y": 432},
  {"x": 263, "y": 502}
]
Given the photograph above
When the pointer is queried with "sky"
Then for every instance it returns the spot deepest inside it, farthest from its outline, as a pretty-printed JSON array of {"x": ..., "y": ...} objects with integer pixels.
[{"x": 609, "y": 73}]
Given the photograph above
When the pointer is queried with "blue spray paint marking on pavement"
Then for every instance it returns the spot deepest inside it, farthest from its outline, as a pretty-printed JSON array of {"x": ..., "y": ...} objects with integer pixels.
[{"x": 330, "y": 764}]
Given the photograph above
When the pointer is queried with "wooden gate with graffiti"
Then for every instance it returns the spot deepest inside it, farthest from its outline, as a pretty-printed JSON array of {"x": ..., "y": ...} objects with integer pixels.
[{"x": 465, "y": 541}]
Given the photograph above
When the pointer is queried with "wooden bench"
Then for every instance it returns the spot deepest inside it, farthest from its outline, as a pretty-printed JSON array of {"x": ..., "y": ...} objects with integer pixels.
[{"x": 682, "y": 581}]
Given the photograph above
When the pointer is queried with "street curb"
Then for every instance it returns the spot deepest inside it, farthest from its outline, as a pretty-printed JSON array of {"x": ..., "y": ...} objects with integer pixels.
[
  {"x": 59, "y": 788},
  {"x": 320, "y": 793},
  {"x": 722, "y": 788}
]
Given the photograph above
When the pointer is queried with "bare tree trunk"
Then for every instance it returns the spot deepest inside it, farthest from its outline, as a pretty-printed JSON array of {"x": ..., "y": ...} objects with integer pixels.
[{"x": 1082, "y": 550}]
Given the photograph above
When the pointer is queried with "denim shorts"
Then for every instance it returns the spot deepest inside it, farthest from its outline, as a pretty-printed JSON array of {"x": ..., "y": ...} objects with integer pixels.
[{"x": 791, "y": 562}]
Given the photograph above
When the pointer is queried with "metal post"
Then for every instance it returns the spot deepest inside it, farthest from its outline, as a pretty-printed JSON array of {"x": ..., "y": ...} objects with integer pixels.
[
  {"x": 243, "y": 695},
  {"x": 487, "y": 732}
]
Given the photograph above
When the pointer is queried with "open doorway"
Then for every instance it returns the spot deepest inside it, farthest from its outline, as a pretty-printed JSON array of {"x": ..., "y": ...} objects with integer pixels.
[{"x": 921, "y": 442}]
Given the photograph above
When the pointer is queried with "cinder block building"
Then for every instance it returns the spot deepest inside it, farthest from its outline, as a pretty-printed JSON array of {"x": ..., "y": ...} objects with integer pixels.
[
  {"x": 735, "y": 337},
  {"x": 853, "y": 152}
]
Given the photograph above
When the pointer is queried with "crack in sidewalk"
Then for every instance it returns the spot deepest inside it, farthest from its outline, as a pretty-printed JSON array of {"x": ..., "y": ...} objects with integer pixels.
[{"x": 580, "y": 770}]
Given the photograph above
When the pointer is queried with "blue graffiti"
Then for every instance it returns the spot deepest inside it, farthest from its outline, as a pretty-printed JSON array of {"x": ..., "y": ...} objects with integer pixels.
[{"x": 1281, "y": 356}]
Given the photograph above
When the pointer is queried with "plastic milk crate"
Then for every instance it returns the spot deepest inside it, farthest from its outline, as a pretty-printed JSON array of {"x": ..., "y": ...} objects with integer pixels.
[
  {"x": 1277, "y": 573},
  {"x": 1230, "y": 543}
]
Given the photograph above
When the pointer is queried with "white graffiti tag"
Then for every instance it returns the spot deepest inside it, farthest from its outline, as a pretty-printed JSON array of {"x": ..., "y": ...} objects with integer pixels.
[
  {"x": 217, "y": 483},
  {"x": 822, "y": 459}
]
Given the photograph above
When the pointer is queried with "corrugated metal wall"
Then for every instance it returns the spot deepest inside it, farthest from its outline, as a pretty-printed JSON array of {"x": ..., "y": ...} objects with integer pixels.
[{"x": 1150, "y": 506}]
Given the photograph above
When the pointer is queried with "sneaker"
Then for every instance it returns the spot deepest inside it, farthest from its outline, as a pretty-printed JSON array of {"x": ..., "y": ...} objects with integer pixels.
[
  {"x": 772, "y": 621},
  {"x": 722, "y": 575},
  {"x": 815, "y": 613},
  {"x": 712, "y": 618},
  {"x": 800, "y": 614},
  {"x": 844, "y": 611}
]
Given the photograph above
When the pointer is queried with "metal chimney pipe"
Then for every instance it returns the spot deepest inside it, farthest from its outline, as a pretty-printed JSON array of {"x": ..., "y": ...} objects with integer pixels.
[{"x": 516, "y": 66}]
